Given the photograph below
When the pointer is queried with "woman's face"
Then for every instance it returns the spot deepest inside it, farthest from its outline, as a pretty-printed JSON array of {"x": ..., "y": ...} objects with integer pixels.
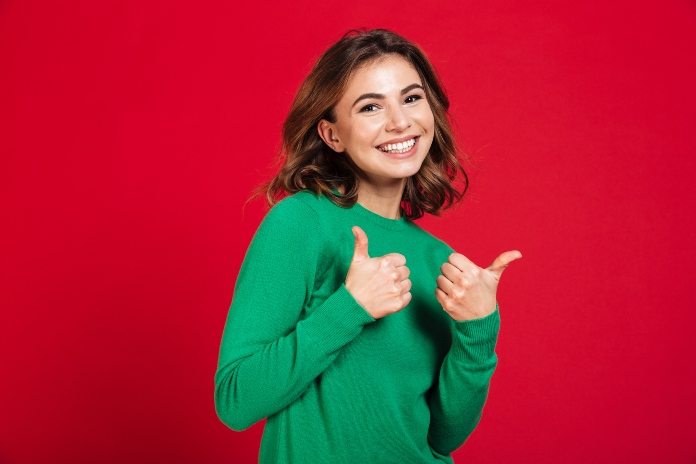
[{"x": 383, "y": 121}]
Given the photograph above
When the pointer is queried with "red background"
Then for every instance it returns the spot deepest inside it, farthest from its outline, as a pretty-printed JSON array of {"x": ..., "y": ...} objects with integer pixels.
[{"x": 131, "y": 134}]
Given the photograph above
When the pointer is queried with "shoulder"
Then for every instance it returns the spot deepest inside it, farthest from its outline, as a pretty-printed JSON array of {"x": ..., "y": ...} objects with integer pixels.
[
  {"x": 290, "y": 234},
  {"x": 295, "y": 209},
  {"x": 319, "y": 203},
  {"x": 306, "y": 206},
  {"x": 293, "y": 219}
]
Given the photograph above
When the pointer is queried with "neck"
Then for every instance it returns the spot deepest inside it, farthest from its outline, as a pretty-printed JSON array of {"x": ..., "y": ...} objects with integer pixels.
[{"x": 384, "y": 200}]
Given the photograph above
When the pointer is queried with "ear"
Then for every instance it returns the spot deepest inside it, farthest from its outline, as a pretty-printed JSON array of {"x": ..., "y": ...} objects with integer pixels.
[{"x": 327, "y": 132}]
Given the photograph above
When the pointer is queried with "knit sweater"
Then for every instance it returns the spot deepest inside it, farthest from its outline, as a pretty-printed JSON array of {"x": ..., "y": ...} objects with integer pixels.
[{"x": 335, "y": 384}]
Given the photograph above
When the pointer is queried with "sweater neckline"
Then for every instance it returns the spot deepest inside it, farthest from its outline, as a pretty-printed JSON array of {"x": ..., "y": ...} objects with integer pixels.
[{"x": 384, "y": 222}]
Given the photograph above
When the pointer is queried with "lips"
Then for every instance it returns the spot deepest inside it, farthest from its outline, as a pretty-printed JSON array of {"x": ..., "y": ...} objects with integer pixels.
[
  {"x": 398, "y": 147},
  {"x": 411, "y": 149}
]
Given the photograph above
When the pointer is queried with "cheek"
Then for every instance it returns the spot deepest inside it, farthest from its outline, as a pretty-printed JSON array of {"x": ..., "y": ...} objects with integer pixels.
[
  {"x": 364, "y": 134},
  {"x": 370, "y": 127},
  {"x": 428, "y": 119}
]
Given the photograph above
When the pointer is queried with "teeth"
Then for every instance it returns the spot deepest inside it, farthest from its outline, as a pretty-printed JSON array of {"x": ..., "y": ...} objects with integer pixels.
[{"x": 398, "y": 147}]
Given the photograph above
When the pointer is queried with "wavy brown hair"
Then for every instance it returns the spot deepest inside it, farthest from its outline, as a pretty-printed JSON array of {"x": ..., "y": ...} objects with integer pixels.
[{"x": 307, "y": 163}]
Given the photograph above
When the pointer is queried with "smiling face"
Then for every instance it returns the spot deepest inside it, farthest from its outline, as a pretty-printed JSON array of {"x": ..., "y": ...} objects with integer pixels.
[{"x": 383, "y": 121}]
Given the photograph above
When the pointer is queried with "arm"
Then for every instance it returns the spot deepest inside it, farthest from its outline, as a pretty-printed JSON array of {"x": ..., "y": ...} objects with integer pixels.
[
  {"x": 268, "y": 358},
  {"x": 468, "y": 294},
  {"x": 457, "y": 401}
]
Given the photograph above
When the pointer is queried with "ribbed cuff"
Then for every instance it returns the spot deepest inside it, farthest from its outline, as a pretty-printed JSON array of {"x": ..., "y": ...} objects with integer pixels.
[
  {"x": 336, "y": 322},
  {"x": 474, "y": 341}
]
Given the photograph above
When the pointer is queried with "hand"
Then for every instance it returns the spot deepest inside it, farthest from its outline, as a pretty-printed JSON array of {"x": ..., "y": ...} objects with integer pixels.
[
  {"x": 465, "y": 290},
  {"x": 380, "y": 285}
]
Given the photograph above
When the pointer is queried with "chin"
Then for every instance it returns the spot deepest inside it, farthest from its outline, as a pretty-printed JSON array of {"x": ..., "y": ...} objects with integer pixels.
[
  {"x": 402, "y": 170},
  {"x": 402, "y": 174},
  {"x": 408, "y": 171}
]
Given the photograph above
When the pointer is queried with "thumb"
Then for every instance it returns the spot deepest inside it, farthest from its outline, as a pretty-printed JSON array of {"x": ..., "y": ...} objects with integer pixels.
[
  {"x": 360, "y": 251},
  {"x": 502, "y": 261}
]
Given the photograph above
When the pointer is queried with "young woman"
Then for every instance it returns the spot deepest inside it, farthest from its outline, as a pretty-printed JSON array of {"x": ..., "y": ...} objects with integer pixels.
[{"x": 357, "y": 334}]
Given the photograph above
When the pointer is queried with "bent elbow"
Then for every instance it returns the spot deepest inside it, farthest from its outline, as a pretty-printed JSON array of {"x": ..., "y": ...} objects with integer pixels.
[
  {"x": 234, "y": 421},
  {"x": 230, "y": 413}
]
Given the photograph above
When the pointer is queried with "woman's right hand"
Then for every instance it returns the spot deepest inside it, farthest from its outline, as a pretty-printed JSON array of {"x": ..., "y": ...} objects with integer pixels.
[{"x": 380, "y": 285}]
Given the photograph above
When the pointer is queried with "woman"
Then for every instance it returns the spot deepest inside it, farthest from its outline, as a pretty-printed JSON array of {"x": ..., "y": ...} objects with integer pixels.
[{"x": 360, "y": 336}]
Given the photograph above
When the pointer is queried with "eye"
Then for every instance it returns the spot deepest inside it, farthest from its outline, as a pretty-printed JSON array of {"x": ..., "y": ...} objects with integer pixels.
[
  {"x": 368, "y": 108},
  {"x": 412, "y": 98}
]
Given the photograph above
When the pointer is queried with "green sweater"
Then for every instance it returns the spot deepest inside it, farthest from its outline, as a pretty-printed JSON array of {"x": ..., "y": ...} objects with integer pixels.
[{"x": 336, "y": 385}]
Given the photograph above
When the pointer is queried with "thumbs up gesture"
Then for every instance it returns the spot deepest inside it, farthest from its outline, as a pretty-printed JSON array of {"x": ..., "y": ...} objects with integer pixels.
[
  {"x": 465, "y": 290},
  {"x": 380, "y": 285}
]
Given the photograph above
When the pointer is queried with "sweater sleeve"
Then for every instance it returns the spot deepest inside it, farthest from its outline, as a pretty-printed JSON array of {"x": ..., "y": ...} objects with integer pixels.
[
  {"x": 457, "y": 401},
  {"x": 269, "y": 354}
]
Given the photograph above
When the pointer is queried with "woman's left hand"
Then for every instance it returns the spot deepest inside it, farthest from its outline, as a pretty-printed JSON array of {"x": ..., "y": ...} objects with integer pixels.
[{"x": 467, "y": 291}]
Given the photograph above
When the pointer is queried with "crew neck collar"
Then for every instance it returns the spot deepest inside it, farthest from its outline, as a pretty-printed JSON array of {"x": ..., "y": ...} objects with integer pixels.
[{"x": 382, "y": 221}]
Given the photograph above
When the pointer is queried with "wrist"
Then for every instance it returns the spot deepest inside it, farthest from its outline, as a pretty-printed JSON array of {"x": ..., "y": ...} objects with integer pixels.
[{"x": 473, "y": 316}]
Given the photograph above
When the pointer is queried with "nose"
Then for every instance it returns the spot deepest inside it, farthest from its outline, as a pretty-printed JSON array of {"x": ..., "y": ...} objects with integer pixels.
[{"x": 397, "y": 119}]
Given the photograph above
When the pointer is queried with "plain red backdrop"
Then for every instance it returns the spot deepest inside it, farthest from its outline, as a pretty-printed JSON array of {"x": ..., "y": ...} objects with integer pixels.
[{"x": 131, "y": 134}]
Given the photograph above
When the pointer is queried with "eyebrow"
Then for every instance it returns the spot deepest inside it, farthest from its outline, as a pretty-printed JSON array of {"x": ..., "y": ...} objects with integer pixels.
[{"x": 379, "y": 96}]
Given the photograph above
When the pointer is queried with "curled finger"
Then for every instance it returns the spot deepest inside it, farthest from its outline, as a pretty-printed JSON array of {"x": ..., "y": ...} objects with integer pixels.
[
  {"x": 450, "y": 272},
  {"x": 442, "y": 297},
  {"x": 395, "y": 259},
  {"x": 445, "y": 285}
]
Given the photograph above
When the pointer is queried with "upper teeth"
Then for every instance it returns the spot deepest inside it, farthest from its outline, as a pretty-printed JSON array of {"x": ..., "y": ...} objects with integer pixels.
[{"x": 398, "y": 147}]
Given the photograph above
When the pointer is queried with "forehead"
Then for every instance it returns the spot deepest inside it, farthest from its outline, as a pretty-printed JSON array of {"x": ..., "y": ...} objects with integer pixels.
[{"x": 383, "y": 75}]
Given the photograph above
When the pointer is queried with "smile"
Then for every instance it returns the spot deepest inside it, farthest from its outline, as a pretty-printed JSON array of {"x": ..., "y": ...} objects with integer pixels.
[{"x": 401, "y": 147}]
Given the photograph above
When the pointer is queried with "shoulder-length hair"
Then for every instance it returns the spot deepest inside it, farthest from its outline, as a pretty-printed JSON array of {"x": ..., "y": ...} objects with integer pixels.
[{"x": 307, "y": 163}]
